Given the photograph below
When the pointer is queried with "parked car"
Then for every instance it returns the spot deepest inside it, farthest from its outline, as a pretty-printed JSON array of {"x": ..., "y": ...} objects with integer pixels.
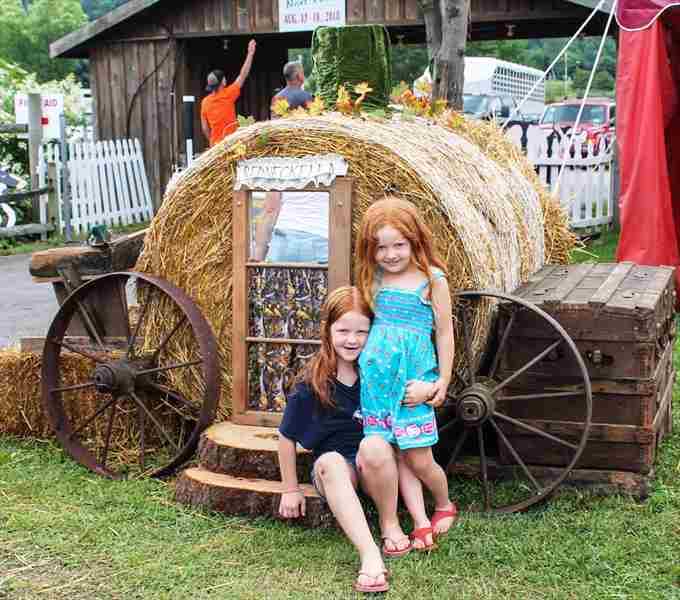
[{"x": 597, "y": 124}]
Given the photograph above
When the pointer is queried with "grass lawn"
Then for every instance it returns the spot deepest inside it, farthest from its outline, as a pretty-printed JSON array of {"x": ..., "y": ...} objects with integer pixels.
[{"x": 65, "y": 533}]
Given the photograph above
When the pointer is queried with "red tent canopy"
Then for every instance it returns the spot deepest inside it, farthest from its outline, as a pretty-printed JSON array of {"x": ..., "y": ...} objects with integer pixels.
[{"x": 648, "y": 130}]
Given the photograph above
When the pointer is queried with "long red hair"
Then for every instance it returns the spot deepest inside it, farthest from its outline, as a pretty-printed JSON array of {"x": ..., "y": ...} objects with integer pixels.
[
  {"x": 405, "y": 218},
  {"x": 322, "y": 369}
]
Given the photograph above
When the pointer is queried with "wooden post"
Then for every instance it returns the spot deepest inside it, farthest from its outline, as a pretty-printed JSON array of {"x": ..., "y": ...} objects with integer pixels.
[
  {"x": 65, "y": 181},
  {"x": 34, "y": 142}
]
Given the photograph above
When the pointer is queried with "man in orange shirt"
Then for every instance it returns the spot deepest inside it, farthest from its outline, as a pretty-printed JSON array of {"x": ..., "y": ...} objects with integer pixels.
[{"x": 218, "y": 110}]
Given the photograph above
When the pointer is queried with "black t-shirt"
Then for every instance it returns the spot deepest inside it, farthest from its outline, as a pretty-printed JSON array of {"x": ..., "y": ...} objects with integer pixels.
[{"x": 321, "y": 429}]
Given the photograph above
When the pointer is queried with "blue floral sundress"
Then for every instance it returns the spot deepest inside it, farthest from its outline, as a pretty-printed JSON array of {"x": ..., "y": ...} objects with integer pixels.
[{"x": 399, "y": 349}]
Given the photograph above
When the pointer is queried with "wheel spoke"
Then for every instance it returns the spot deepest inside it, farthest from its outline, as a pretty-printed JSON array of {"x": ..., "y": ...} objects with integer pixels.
[
  {"x": 109, "y": 428},
  {"x": 170, "y": 367},
  {"x": 162, "y": 345},
  {"x": 89, "y": 420},
  {"x": 155, "y": 421},
  {"x": 535, "y": 430},
  {"x": 71, "y": 348},
  {"x": 457, "y": 449},
  {"x": 124, "y": 306},
  {"x": 89, "y": 324},
  {"x": 138, "y": 325},
  {"x": 466, "y": 341},
  {"x": 527, "y": 366},
  {"x": 542, "y": 396},
  {"x": 70, "y": 388},
  {"x": 501, "y": 346},
  {"x": 177, "y": 396},
  {"x": 516, "y": 456},
  {"x": 484, "y": 466}
]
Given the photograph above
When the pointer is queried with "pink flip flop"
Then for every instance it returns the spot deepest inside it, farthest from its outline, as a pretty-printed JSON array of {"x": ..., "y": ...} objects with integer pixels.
[
  {"x": 395, "y": 553},
  {"x": 373, "y": 588},
  {"x": 421, "y": 535}
]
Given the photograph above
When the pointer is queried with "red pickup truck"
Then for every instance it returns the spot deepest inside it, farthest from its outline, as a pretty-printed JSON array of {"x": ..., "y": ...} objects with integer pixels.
[{"x": 597, "y": 122}]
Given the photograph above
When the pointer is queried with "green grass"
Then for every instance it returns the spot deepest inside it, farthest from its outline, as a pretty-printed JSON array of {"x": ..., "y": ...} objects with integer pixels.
[
  {"x": 10, "y": 247},
  {"x": 66, "y": 533},
  {"x": 600, "y": 249}
]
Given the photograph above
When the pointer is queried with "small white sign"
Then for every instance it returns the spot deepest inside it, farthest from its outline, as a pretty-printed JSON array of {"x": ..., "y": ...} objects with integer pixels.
[
  {"x": 306, "y": 15},
  {"x": 274, "y": 173},
  {"x": 53, "y": 107}
]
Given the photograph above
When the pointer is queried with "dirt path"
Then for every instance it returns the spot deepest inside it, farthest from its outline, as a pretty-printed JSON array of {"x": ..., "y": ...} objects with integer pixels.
[{"x": 26, "y": 308}]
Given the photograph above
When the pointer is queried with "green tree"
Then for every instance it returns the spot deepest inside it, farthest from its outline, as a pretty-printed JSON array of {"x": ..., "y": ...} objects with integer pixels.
[
  {"x": 25, "y": 36},
  {"x": 96, "y": 8}
]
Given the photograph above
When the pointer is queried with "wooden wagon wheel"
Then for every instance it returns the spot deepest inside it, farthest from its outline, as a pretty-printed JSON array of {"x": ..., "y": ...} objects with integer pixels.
[
  {"x": 129, "y": 401},
  {"x": 483, "y": 399}
]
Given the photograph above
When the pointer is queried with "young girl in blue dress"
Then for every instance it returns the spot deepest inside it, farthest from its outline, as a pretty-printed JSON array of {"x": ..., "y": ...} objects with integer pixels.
[{"x": 401, "y": 277}]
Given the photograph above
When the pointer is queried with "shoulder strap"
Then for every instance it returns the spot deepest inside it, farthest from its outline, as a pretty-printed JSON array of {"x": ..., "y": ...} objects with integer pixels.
[{"x": 436, "y": 274}]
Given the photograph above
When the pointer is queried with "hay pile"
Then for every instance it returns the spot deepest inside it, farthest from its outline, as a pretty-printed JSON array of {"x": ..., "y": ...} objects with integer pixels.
[
  {"x": 22, "y": 415},
  {"x": 492, "y": 222}
]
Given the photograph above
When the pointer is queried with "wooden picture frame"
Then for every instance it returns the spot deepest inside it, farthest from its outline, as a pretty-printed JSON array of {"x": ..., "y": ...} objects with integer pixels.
[{"x": 339, "y": 272}]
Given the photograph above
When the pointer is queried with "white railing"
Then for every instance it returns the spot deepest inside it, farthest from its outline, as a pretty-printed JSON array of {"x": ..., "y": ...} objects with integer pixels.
[
  {"x": 585, "y": 189},
  {"x": 107, "y": 183}
]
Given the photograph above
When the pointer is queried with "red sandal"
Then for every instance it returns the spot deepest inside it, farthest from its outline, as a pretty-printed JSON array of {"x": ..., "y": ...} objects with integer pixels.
[
  {"x": 374, "y": 587},
  {"x": 444, "y": 514},
  {"x": 421, "y": 535}
]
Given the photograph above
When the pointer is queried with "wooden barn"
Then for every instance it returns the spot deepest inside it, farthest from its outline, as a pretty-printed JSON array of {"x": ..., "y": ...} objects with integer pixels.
[{"x": 147, "y": 54}]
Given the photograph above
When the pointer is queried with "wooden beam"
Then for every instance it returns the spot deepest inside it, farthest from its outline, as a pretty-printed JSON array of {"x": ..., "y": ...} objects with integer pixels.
[
  {"x": 14, "y": 197},
  {"x": 67, "y": 43},
  {"x": 22, "y": 230},
  {"x": 13, "y": 128}
]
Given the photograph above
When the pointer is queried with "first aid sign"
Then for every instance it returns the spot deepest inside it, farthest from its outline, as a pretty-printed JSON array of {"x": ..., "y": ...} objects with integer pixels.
[{"x": 52, "y": 108}]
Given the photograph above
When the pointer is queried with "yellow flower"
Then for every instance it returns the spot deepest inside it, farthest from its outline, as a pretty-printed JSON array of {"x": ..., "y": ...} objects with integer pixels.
[
  {"x": 363, "y": 88},
  {"x": 316, "y": 107},
  {"x": 281, "y": 107}
]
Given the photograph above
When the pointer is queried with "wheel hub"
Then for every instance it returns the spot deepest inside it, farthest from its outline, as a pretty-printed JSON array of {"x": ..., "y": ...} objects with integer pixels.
[
  {"x": 114, "y": 377},
  {"x": 475, "y": 405}
]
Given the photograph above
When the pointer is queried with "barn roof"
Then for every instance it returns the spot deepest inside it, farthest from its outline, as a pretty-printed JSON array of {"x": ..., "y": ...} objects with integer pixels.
[{"x": 66, "y": 45}]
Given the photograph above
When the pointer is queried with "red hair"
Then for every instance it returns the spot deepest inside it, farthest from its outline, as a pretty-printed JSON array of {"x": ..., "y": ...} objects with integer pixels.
[
  {"x": 322, "y": 369},
  {"x": 405, "y": 218}
]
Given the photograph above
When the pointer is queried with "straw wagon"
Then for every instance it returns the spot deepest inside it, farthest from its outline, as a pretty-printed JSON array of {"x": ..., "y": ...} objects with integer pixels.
[{"x": 158, "y": 367}]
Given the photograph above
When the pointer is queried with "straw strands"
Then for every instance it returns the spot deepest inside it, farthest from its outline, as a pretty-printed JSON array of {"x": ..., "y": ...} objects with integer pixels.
[{"x": 492, "y": 223}]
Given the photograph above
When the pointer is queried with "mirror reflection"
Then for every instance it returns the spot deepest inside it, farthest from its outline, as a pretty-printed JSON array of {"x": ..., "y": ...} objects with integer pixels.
[{"x": 289, "y": 227}]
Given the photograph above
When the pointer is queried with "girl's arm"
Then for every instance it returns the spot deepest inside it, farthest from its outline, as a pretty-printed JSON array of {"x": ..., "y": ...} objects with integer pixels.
[
  {"x": 441, "y": 304},
  {"x": 292, "y": 498}
]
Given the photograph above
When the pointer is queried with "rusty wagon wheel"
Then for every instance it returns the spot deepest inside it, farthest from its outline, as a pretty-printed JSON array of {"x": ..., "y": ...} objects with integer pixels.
[
  {"x": 488, "y": 416},
  {"x": 129, "y": 405}
]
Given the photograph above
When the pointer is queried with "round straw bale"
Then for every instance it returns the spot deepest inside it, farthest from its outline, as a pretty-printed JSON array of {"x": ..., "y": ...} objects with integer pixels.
[{"x": 476, "y": 192}]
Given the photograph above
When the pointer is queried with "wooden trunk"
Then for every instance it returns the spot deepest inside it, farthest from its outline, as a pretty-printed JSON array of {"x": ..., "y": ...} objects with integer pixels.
[{"x": 620, "y": 317}]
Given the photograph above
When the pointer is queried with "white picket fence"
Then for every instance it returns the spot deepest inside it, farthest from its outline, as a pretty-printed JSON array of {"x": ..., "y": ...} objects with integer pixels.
[
  {"x": 585, "y": 190},
  {"x": 107, "y": 183}
]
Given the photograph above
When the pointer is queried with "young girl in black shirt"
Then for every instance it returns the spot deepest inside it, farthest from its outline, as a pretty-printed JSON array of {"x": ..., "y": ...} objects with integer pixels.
[{"x": 322, "y": 414}]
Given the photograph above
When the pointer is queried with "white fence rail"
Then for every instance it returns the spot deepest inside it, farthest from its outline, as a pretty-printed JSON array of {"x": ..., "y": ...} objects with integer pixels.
[
  {"x": 107, "y": 182},
  {"x": 585, "y": 189}
]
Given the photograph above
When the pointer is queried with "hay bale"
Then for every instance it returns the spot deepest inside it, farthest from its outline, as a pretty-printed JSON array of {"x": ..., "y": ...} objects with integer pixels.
[
  {"x": 22, "y": 415},
  {"x": 490, "y": 217}
]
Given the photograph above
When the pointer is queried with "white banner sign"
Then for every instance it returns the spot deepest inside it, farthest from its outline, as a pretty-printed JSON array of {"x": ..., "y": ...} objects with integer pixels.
[
  {"x": 52, "y": 107},
  {"x": 275, "y": 173},
  {"x": 306, "y": 15}
]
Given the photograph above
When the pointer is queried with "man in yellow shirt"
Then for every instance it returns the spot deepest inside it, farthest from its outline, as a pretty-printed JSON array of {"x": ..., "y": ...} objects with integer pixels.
[{"x": 218, "y": 109}]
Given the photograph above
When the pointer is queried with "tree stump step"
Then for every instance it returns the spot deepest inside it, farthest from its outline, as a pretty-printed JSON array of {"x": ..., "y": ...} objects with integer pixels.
[
  {"x": 247, "y": 451},
  {"x": 229, "y": 495}
]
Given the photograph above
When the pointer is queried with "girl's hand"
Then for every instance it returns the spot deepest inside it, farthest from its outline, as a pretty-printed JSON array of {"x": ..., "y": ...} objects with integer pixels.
[
  {"x": 292, "y": 505},
  {"x": 439, "y": 394},
  {"x": 418, "y": 392}
]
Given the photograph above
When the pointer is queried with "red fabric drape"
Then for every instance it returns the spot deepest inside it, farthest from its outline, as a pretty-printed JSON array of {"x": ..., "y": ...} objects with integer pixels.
[
  {"x": 647, "y": 125},
  {"x": 633, "y": 14}
]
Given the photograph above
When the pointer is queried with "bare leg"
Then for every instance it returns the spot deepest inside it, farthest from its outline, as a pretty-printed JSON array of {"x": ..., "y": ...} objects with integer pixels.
[
  {"x": 337, "y": 481},
  {"x": 425, "y": 468},
  {"x": 412, "y": 492},
  {"x": 379, "y": 477}
]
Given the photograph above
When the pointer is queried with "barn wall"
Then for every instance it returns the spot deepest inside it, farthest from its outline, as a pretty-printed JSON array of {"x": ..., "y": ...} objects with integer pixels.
[{"x": 118, "y": 70}]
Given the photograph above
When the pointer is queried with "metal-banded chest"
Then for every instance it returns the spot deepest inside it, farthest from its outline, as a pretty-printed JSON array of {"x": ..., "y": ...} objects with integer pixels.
[{"x": 621, "y": 318}]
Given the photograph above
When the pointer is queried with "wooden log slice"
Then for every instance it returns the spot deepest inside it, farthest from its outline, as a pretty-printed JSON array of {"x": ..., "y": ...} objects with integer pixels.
[
  {"x": 247, "y": 451},
  {"x": 229, "y": 495}
]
